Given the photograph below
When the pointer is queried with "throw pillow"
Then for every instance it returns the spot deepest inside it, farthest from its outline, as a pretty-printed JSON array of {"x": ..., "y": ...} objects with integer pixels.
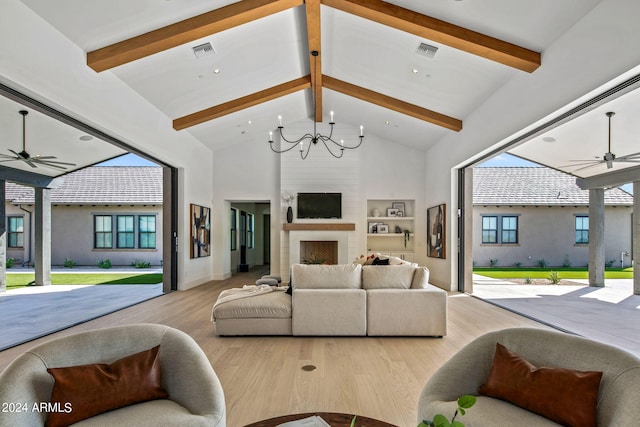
[
  {"x": 565, "y": 396},
  {"x": 93, "y": 389},
  {"x": 378, "y": 261}
]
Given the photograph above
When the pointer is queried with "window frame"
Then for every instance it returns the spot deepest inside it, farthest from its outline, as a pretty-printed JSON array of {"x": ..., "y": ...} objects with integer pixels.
[
  {"x": 234, "y": 229},
  {"x": 144, "y": 235},
  {"x": 127, "y": 234},
  {"x": 515, "y": 230},
  {"x": 486, "y": 230},
  {"x": 582, "y": 217},
  {"x": 14, "y": 234},
  {"x": 498, "y": 233},
  {"x": 250, "y": 230},
  {"x": 105, "y": 233}
]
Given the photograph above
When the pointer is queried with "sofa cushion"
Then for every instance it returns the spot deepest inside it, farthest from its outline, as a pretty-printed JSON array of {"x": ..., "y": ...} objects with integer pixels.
[
  {"x": 90, "y": 390},
  {"x": 420, "y": 278},
  {"x": 313, "y": 276},
  {"x": 389, "y": 276},
  {"x": 565, "y": 396}
]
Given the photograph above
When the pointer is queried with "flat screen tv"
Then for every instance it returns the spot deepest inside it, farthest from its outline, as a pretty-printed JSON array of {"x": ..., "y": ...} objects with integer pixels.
[{"x": 319, "y": 205}]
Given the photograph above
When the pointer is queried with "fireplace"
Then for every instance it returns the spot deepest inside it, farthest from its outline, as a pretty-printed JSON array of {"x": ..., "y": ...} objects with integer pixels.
[{"x": 319, "y": 251}]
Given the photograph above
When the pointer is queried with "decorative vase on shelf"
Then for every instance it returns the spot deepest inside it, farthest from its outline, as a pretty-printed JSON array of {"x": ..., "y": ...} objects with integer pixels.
[
  {"x": 289, "y": 214},
  {"x": 375, "y": 212}
]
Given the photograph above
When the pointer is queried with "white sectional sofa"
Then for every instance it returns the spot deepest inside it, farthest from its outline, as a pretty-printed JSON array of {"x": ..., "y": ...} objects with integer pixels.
[{"x": 343, "y": 300}]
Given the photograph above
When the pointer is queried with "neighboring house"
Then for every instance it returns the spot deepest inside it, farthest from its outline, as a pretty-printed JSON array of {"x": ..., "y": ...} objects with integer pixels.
[
  {"x": 527, "y": 214},
  {"x": 97, "y": 213}
]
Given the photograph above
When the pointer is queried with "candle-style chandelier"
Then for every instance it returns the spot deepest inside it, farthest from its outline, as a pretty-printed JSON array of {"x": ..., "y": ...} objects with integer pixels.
[{"x": 334, "y": 147}]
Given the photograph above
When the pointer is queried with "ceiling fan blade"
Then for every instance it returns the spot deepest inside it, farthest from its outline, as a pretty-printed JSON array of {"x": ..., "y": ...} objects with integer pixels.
[
  {"x": 590, "y": 162},
  {"x": 53, "y": 162},
  {"x": 588, "y": 166},
  {"x": 6, "y": 156},
  {"x": 629, "y": 156},
  {"x": 56, "y": 165},
  {"x": 44, "y": 157},
  {"x": 8, "y": 159},
  {"x": 29, "y": 162},
  {"x": 14, "y": 152}
]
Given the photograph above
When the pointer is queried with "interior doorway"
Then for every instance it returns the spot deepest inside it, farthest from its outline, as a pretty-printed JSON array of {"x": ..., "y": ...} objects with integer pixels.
[{"x": 249, "y": 234}]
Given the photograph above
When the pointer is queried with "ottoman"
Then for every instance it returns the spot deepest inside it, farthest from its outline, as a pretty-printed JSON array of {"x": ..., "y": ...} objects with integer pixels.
[{"x": 264, "y": 314}]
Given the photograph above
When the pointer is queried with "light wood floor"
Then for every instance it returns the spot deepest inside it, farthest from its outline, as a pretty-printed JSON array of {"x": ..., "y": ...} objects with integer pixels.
[{"x": 262, "y": 376}]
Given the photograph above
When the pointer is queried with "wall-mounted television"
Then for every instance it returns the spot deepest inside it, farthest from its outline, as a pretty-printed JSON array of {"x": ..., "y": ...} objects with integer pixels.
[{"x": 319, "y": 205}]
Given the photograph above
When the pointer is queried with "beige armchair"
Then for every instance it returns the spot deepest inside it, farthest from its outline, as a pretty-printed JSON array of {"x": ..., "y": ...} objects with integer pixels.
[
  {"x": 195, "y": 394},
  {"x": 468, "y": 369}
]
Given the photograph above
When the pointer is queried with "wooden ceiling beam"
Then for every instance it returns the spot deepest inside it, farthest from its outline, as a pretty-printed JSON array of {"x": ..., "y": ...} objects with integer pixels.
[
  {"x": 312, "y": 8},
  {"x": 242, "y": 103},
  {"x": 441, "y": 32},
  {"x": 185, "y": 31},
  {"x": 392, "y": 103}
]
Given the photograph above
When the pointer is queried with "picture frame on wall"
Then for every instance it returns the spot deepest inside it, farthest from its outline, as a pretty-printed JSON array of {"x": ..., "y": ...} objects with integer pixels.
[
  {"x": 400, "y": 207},
  {"x": 383, "y": 228},
  {"x": 373, "y": 227},
  {"x": 200, "y": 231},
  {"x": 391, "y": 212},
  {"x": 436, "y": 231}
]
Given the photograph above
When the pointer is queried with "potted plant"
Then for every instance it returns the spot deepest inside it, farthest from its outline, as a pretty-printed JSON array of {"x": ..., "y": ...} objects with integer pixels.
[{"x": 464, "y": 402}]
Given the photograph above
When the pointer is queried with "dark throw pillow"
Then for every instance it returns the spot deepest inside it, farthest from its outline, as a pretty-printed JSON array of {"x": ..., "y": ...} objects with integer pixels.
[
  {"x": 565, "y": 396},
  {"x": 378, "y": 261},
  {"x": 89, "y": 390}
]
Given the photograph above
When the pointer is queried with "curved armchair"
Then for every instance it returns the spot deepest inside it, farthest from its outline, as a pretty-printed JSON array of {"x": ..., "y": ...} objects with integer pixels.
[
  {"x": 195, "y": 394},
  {"x": 468, "y": 369}
]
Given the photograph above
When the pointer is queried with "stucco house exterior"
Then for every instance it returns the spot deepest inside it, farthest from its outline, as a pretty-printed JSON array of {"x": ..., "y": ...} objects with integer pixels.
[
  {"x": 97, "y": 213},
  {"x": 522, "y": 215}
]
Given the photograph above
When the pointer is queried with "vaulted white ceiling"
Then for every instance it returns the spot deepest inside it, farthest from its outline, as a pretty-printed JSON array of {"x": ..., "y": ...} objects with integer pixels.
[{"x": 274, "y": 49}]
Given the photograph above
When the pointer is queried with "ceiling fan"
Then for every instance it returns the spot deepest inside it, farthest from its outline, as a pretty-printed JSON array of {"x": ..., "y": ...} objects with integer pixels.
[
  {"x": 32, "y": 161},
  {"x": 609, "y": 158}
]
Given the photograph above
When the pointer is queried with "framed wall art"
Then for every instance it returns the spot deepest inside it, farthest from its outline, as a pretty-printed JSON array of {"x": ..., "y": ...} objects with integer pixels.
[
  {"x": 436, "y": 231},
  {"x": 200, "y": 231}
]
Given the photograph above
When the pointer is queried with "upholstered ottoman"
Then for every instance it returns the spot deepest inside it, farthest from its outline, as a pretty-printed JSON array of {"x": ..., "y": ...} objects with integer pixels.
[{"x": 266, "y": 313}]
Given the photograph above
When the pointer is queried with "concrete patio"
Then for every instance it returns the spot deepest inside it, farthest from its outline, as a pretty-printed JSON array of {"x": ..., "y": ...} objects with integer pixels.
[{"x": 610, "y": 314}]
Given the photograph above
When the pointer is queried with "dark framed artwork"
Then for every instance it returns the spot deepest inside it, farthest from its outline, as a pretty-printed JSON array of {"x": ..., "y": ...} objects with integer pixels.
[
  {"x": 200, "y": 231},
  {"x": 436, "y": 231}
]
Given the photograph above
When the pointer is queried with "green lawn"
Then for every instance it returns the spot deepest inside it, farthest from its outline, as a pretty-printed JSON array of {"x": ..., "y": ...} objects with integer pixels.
[
  {"x": 19, "y": 280},
  {"x": 543, "y": 273}
]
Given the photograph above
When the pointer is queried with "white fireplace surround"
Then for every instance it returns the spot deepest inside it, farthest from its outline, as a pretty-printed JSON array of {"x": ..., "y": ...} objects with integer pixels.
[{"x": 295, "y": 237}]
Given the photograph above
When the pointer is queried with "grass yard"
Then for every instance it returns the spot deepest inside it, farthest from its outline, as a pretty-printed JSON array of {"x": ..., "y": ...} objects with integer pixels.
[
  {"x": 20, "y": 280},
  {"x": 543, "y": 273}
]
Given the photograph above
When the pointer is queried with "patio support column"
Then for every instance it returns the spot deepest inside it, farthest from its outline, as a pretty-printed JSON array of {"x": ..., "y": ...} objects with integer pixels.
[
  {"x": 3, "y": 238},
  {"x": 43, "y": 237},
  {"x": 636, "y": 237},
  {"x": 596, "y": 237}
]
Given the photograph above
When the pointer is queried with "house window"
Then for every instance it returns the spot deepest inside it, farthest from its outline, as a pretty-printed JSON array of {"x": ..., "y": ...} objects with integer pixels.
[
  {"x": 125, "y": 232},
  {"x": 509, "y": 229},
  {"x": 500, "y": 229},
  {"x": 234, "y": 229},
  {"x": 102, "y": 235},
  {"x": 147, "y": 231},
  {"x": 489, "y": 229},
  {"x": 250, "y": 234},
  {"x": 582, "y": 229},
  {"x": 15, "y": 232}
]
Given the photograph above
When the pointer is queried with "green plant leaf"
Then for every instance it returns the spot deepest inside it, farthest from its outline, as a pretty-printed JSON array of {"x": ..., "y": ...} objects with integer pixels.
[
  {"x": 461, "y": 411},
  {"x": 353, "y": 421},
  {"x": 441, "y": 421},
  {"x": 425, "y": 423},
  {"x": 466, "y": 402},
  {"x": 457, "y": 424}
]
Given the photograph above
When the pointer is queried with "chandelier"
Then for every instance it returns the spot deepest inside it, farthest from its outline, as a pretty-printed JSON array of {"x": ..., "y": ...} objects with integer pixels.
[{"x": 335, "y": 148}]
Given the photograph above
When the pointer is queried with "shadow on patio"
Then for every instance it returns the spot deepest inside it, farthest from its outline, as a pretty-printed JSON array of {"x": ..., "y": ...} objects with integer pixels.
[{"x": 610, "y": 314}]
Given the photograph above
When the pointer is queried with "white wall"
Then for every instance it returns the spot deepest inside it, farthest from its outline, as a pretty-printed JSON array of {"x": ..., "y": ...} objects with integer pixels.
[
  {"x": 39, "y": 61},
  {"x": 593, "y": 52},
  {"x": 377, "y": 170}
]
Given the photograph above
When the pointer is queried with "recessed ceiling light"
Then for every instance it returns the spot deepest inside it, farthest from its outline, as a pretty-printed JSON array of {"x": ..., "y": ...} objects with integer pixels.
[
  {"x": 549, "y": 139},
  {"x": 249, "y": 121},
  {"x": 85, "y": 138},
  {"x": 216, "y": 71},
  {"x": 386, "y": 122},
  {"x": 414, "y": 71}
]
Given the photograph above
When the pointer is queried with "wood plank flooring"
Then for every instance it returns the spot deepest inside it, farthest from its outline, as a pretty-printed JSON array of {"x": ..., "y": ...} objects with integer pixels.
[{"x": 263, "y": 377}]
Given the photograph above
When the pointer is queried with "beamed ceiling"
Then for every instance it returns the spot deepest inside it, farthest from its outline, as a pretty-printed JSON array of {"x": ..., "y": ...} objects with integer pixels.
[{"x": 368, "y": 70}]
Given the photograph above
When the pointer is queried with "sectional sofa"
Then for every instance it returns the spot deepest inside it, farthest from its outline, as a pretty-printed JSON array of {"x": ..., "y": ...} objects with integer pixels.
[{"x": 341, "y": 300}]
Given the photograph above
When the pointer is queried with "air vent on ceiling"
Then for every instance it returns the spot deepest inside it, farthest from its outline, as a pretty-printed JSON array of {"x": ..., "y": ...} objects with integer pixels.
[
  {"x": 202, "y": 50},
  {"x": 426, "y": 50}
]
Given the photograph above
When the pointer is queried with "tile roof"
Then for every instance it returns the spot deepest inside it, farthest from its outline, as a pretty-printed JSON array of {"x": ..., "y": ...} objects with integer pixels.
[
  {"x": 104, "y": 185},
  {"x": 535, "y": 186}
]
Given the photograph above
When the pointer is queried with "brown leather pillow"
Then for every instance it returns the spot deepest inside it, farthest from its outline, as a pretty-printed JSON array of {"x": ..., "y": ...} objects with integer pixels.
[
  {"x": 565, "y": 396},
  {"x": 84, "y": 391}
]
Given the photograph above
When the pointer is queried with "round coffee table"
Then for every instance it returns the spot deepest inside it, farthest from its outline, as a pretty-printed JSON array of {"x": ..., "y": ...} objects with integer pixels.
[{"x": 333, "y": 418}]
